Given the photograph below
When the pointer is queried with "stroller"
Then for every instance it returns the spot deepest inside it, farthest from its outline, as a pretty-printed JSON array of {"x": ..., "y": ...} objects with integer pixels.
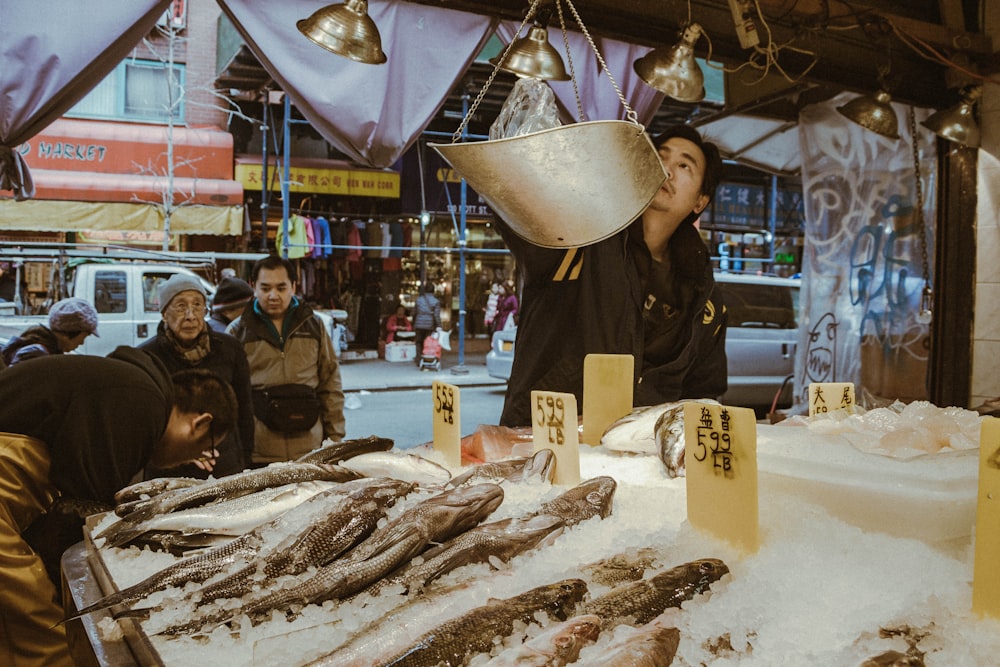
[{"x": 430, "y": 356}]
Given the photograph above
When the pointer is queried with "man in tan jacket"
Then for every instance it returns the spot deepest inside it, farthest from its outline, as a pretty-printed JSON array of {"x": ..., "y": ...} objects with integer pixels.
[{"x": 298, "y": 398}]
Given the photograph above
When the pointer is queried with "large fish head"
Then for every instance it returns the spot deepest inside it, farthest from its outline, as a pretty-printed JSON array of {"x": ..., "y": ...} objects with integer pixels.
[
  {"x": 530, "y": 531},
  {"x": 558, "y": 599},
  {"x": 467, "y": 506},
  {"x": 584, "y": 501},
  {"x": 691, "y": 578},
  {"x": 541, "y": 465}
]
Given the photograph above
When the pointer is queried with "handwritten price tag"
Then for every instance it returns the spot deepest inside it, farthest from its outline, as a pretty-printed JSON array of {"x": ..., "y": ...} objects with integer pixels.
[
  {"x": 985, "y": 583},
  {"x": 721, "y": 461},
  {"x": 607, "y": 392},
  {"x": 447, "y": 424},
  {"x": 554, "y": 426},
  {"x": 830, "y": 396}
]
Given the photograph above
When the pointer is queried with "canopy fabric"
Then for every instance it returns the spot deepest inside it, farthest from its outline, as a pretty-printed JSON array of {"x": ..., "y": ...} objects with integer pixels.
[
  {"x": 77, "y": 216},
  {"x": 43, "y": 73},
  {"x": 599, "y": 99},
  {"x": 371, "y": 113}
]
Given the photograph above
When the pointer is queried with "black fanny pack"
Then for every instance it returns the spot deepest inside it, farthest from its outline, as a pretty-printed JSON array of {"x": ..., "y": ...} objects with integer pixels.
[{"x": 287, "y": 408}]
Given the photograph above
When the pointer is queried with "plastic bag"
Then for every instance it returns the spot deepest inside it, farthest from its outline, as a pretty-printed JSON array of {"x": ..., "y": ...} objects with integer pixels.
[{"x": 530, "y": 107}]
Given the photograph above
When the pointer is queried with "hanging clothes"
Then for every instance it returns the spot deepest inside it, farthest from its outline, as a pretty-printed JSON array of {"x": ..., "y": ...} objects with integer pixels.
[
  {"x": 323, "y": 238},
  {"x": 298, "y": 241}
]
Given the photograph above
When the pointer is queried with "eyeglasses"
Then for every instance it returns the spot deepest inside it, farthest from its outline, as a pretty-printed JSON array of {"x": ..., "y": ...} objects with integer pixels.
[{"x": 183, "y": 309}]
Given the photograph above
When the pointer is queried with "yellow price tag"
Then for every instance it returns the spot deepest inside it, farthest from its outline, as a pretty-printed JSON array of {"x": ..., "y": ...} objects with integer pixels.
[
  {"x": 830, "y": 396},
  {"x": 607, "y": 392},
  {"x": 554, "y": 426},
  {"x": 447, "y": 423},
  {"x": 985, "y": 583},
  {"x": 721, "y": 461}
]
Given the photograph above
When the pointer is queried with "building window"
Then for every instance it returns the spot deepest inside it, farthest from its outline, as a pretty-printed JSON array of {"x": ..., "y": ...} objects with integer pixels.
[{"x": 137, "y": 90}]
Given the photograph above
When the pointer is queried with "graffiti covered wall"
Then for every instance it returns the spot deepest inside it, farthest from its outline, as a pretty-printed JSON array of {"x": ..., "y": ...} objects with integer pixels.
[{"x": 862, "y": 259}]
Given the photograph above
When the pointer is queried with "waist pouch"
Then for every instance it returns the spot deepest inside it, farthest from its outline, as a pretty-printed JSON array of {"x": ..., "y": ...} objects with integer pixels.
[{"x": 287, "y": 408}]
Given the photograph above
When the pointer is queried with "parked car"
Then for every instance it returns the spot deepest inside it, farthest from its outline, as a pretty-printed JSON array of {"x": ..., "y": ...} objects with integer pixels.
[{"x": 760, "y": 340}]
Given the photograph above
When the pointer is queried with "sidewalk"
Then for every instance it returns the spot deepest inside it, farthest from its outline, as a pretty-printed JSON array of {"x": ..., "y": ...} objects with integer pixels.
[{"x": 380, "y": 375}]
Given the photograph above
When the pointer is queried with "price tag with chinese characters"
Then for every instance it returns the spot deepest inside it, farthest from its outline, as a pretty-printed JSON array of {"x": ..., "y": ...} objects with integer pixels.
[
  {"x": 554, "y": 425},
  {"x": 447, "y": 425},
  {"x": 607, "y": 392},
  {"x": 985, "y": 582},
  {"x": 721, "y": 462},
  {"x": 830, "y": 396}
]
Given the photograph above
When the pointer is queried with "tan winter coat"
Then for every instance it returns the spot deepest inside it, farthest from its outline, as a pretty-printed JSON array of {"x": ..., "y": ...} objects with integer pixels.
[{"x": 303, "y": 354}]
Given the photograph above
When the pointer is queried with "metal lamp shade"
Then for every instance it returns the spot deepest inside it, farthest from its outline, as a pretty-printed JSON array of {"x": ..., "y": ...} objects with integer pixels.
[
  {"x": 674, "y": 71},
  {"x": 533, "y": 56},
  {"x": 346, "y": 30},
  {"x": 567, "y": 186},
  {"x": 875, "y": 114},
  {"x": 957, "y": 124}
]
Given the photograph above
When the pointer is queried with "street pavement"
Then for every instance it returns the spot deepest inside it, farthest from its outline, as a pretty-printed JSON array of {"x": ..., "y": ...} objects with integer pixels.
[{"x": 359, "y": 374}]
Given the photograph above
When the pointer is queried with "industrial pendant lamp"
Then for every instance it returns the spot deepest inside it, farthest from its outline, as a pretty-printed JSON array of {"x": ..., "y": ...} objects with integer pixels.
[
  {"x": 958, "y": 123},
  {"x": 874, "y": 113},
  {"x": 674, "y": 71},
  {"x": 347, "y": 30},
  {"x": 532, "y": 56}
]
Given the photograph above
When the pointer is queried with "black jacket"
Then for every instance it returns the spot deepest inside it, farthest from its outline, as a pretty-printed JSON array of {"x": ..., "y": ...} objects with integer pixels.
[
  {"x": 34, "y": 342},
  {"x": 227, "y": 360},
  {"x": 99, "y": 417},
  {"x": 590, "y": 299}
]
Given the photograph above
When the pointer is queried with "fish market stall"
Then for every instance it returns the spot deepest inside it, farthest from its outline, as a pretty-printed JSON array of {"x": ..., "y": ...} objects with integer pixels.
[{"x": 863, "y": 552}]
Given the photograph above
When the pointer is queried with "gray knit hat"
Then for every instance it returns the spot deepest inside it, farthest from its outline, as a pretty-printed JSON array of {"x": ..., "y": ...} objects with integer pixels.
[
  {"x": 72, "y": 315},
  {"x": 179, "y": 282}
]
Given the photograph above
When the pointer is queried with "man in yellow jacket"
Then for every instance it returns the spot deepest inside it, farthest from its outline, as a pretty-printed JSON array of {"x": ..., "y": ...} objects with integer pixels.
[{"x": 73, "y": 431}]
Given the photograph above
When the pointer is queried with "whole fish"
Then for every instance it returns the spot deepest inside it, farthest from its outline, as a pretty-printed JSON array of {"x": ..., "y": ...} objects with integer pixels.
[
  {"x": 639, "y": 602},
  {"x": 628, "y": 566},
  {"x": 651, "y": 645},
  {"x": 587, "y": 499},
  {"x": 236, "y": 516},
  {"x": 501, "y": 540},
  {"x": 325, "y": 538},
  {"x": 556, "y": 646},
  {"x": 225, "y": 488},
  {"x": 539, "y": 466},
  {"x": 346, "y": 449},
  {"x": 434, "y": 520},
  {"x": 456, "y": 640},
  {"x": 636, "y": 431},
  {"x": 154, "y": 487},
  {"x": 399, "y": 465}
]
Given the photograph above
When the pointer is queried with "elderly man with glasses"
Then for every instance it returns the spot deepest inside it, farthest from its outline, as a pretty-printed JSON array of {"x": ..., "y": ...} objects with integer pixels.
[{"x": 184, "y": 340}]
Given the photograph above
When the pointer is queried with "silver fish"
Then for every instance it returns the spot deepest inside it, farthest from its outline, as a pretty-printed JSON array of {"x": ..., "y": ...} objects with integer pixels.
[
  {"x": 639, "y": 602},
  {"x": 436, "y": 519},
  {"x": 236, "y": 516},
  {"x": 456, "y": 640},
  {"x": 399, "y": 465},
  {"x": 558, "y": 645},
  {"x": 225, "y": 488},
  {"x": 587, "y": 499},
  {"x": 346, "y": 449},
  {"x": 539, "y": 466},
  {"x": 649, "y": 646},
  {"x": 502, "y": 539},
  {"x": 154, "y": 487},
  {"x": 636, "y": 432}
]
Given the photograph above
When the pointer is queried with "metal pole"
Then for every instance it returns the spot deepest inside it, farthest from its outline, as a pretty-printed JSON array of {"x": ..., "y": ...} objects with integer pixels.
[
  {"x": 460, "y": 369},
  {"x": 287, "y": 153},
  {"x": 772, "y": 220},
  {"x": 264, "y": 194}
]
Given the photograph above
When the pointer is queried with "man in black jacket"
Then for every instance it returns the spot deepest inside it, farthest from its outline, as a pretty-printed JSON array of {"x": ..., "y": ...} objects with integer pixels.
[
  {"x": 73, "y": 431},
  {"x": 647, "y": 291}
]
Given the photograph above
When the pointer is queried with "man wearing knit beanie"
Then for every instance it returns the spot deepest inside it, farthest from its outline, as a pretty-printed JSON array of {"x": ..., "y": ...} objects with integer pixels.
[{"x": 231, "y": 297}]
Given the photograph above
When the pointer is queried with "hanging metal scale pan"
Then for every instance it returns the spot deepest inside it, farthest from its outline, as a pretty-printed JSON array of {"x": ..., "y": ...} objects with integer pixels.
[{"x": 567, "y": 186}]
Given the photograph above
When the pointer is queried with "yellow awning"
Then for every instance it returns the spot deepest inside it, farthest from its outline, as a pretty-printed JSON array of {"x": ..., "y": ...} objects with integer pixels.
[{"x": 72, "y": 216}]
